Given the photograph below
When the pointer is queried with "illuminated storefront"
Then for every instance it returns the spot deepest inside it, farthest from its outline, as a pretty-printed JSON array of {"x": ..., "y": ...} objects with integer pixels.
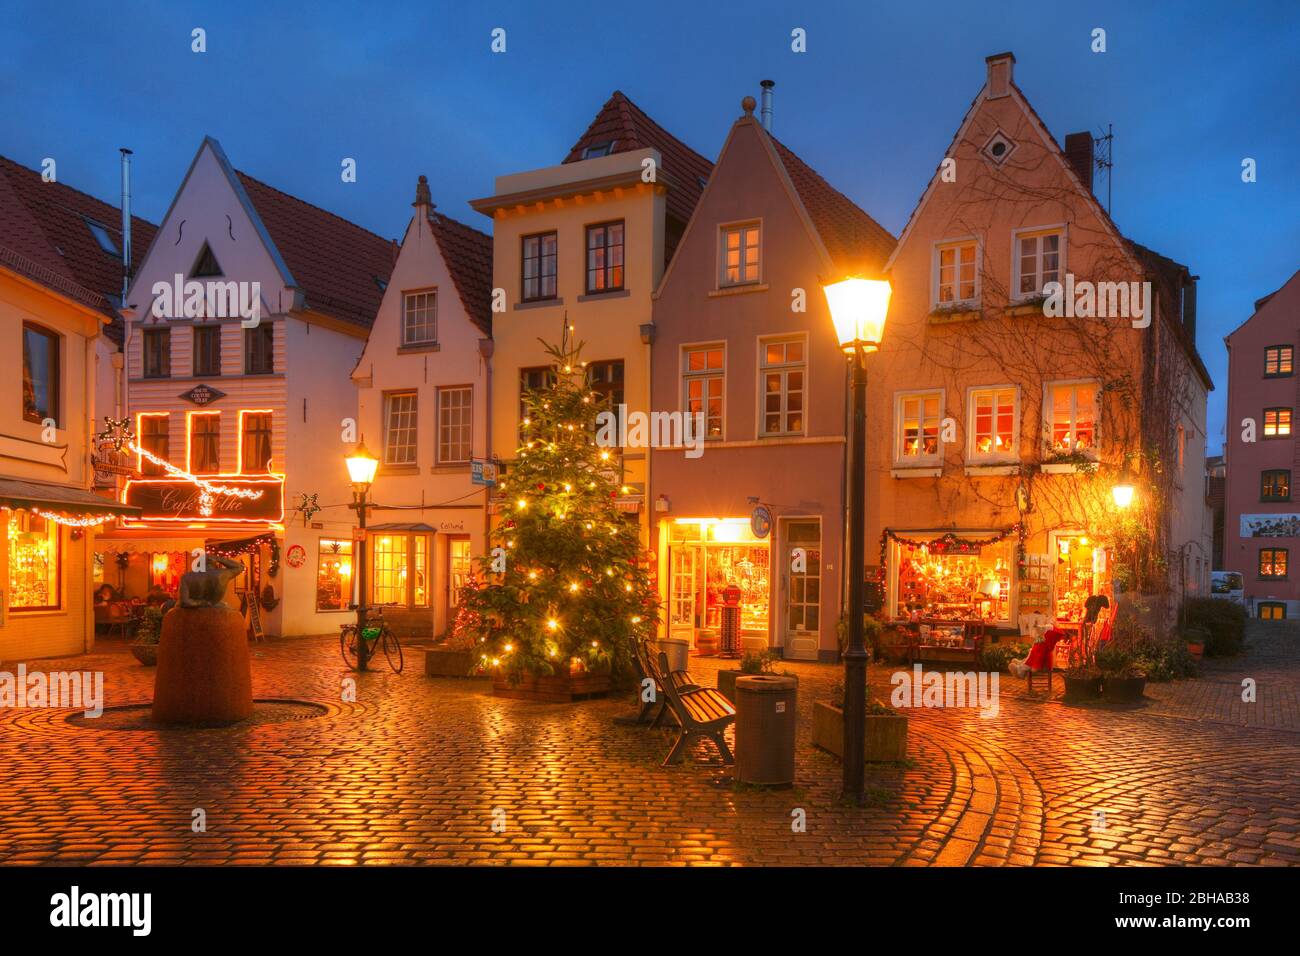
[
  {"x": 334, "y": 574},
  {"x": 35, "y": 552},
  {"x": 946, "y": 576},
  {"x": 399, "y": 557},
  {"x": 706, "y": 556}
]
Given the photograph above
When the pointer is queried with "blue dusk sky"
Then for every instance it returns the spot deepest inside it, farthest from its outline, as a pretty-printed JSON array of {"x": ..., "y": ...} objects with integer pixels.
[{"x": 1192, "y": 88}]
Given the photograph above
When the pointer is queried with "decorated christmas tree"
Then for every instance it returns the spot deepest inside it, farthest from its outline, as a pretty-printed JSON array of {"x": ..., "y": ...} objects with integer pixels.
[{"x": 566, "y": 585}]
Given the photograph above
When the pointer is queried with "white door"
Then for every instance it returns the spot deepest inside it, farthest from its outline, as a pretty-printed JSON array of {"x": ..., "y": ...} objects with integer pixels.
[
  {"x": 681, "y": 620},
  {"x": 803, "y": 572}
]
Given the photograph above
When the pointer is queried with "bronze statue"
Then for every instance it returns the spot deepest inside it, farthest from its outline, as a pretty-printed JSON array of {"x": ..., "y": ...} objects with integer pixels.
[{"x": 207, "y": 588}]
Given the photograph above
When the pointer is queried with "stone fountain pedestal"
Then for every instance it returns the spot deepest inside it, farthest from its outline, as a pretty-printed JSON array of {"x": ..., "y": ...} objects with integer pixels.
[{"x": 204, "y": 670}]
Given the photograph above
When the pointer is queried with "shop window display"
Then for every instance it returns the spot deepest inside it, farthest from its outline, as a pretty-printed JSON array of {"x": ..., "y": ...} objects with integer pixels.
[
  {"x": 708, "y": 556},
  {"x": 334, "y": 575},
  {"x": 34, "y": 545},
  {"x": 955, "y": 582}
]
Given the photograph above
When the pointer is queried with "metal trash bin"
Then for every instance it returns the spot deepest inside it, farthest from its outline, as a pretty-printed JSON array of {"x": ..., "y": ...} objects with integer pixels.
[
  {"x": 678, "y": 652},
  {"x": 765, "y": 727}
]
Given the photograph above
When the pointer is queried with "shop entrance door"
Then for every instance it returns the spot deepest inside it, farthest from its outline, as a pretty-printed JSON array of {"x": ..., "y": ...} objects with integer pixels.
[
  {"x": 803, "y": 572},
  {"x": 459, "y": 565},
  {"x": 681, "y": 621}
]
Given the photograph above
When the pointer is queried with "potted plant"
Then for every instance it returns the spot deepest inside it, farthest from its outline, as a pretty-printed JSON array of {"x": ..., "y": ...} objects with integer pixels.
[
  {"x": 1123, "y": 677},
  {"x": 147, "y": 634},
  {"x": 1196, "y": 638},
  {"x": 1083, "y": 678},
  {"x": 750, "y": 666},
  {"x": 886, "y": 736}
]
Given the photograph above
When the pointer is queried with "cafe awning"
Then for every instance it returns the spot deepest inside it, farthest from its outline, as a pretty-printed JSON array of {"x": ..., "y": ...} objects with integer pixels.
[{"x": 61, "y": 499}]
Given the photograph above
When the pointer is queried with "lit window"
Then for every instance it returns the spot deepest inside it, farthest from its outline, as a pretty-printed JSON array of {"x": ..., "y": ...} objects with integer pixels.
[
  {"x": 1275, "y": 485},
  {"x": 1072, "y": 418},
  {"x": 956, "y": 278},
  {"x": 1272, "y": 611},
  {"x": 605, "y": 257},
  {"x": 539, "y": 267},
  {"x": 703, "y": 386},
  {"x": 400, "y": 562},
  {"x": 993, "y": 424},
  {"x": 605, "y": 379},
  {"x": 155, "y": 438},
  {"x": 1277, "y": 422},
  {"x": 1272, "y": 563},
  {"x": 40, "y": 374},
  {"x": 460, "y": 567},
  {"x": 255, "y": 442},
  {"x": 1279, "y": 360},
  {"x": 399, "y": 428},
  {"x": 783, "y": 386},
  {"x": 420, "y": 318},
  {"x": 205, "y": 443},
  {"x": 334, "y": 575},
  {"x": 740, "y": 259},
  {"x": 34, "y": 546},
  {"x": 918, "y": 426},
  {"x": 1038, "y": 261},
  {"x": 455, "y": 431}
]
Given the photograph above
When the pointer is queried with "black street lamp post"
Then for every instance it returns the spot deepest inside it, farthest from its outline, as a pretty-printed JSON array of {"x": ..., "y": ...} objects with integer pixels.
[
  {"x": 361, "y": 470},
  {"x": 858, "y": 308}
]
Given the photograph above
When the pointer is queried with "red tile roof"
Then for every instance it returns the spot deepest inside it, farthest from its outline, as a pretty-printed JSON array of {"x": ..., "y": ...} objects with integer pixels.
[
  {"x": 622, "y": 122},
  {"x": 855, "y": 241},
  {"x": 44, "y": 236},
  {"x": 468, "y": 254},
  {"x": 339, "y": 266}
]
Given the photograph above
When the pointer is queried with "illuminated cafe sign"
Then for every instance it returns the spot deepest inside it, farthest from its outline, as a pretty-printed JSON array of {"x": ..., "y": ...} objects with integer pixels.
[{"x": 178, "y": 499}]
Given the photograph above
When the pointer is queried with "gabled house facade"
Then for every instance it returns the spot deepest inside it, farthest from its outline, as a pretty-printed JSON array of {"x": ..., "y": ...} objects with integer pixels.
[
  {"x": 235, "y": 391},
  {"x": 1261, "y": 533},
  {"x": 744, "y": 340},
  {"x": 422, "y": 408},
  {"x": 586, "y": 243},
  {"x": 1001, "y": 421},
  {"x": 60, "y": 286}
]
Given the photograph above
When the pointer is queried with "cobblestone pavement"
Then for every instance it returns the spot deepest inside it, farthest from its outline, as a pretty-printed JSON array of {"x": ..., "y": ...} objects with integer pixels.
[{"x": 414, "y": 770}]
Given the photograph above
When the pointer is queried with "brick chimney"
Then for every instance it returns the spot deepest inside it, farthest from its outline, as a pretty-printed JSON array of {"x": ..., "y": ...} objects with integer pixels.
[
  {"x": 1001, "y": 69},
  {"x": 1078, "y": 150},
  {"x": 1189, "y": 305}
]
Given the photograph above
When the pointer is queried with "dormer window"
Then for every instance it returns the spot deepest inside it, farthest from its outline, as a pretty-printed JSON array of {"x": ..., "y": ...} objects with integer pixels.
[
  {"x": 999, "y": 147},
  {"x": 597, "y": 150},
  {"x": 206, "y": 264}
]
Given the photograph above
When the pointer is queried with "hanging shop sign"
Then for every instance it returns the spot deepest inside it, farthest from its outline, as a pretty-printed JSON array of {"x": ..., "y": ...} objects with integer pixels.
[
  {"x": 483, "y": 472},
  {"x": 297, "y": 556},
  {"x": 760, "y": 521},
  {"x": 202, "y": 395},
  {"x": 177, "y": 499}
]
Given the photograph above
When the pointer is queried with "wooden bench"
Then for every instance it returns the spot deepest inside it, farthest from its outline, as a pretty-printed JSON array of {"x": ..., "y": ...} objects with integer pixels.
[
  {"x": 653, "y": 711},
  {"x": 700, "y": 712}
]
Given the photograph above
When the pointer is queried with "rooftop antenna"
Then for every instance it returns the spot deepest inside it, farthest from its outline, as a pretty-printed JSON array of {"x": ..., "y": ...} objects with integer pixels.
[{"x": 1104, "y": 156}]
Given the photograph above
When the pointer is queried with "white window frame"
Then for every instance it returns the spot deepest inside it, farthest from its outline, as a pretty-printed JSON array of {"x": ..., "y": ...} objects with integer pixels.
[
  {"x": 432, "y": 294},
  {"x": 413, "y": 428},
  {"x": 742, "y": 227},
  {"x": 467, "y": 425},
  {"x": 900, "y": 398},
  {"x": 1011, "y": 454},
  {"x": 1048, "y": 387},
  {"x": 685, "y": 377},
  {"x": 1058, "y": 229},
  {"x": 763, "y": 369},
  {"x": 936, "y": 273}
]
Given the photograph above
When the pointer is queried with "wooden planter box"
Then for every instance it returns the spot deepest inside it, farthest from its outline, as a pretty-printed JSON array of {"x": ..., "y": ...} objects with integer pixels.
[
  {"x": 727, "y": 683},
  {"x": 886, "y": 733},
  {"x": 440, "y": 662},
  {"x": 553, "y": 689}
]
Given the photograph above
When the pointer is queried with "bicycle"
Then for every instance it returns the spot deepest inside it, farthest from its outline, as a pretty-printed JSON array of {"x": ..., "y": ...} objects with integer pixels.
[{"x": 378, "y": 633}]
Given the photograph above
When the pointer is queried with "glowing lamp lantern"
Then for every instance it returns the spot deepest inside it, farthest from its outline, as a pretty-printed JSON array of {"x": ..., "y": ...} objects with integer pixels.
[
  {"x": 858, "y": 308},
  {"x": 1123, "y": 494},
  {"x": 362, "y": 467}
]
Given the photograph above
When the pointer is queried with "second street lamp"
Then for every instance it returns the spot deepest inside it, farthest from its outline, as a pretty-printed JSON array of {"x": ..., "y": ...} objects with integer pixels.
[
  {"x": 858, "y": 309},
  {"x": 361, "y": 471}
]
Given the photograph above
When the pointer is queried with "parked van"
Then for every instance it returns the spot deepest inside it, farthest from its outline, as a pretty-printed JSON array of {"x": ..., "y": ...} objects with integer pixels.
[{"x": 1229, "y": 585}]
